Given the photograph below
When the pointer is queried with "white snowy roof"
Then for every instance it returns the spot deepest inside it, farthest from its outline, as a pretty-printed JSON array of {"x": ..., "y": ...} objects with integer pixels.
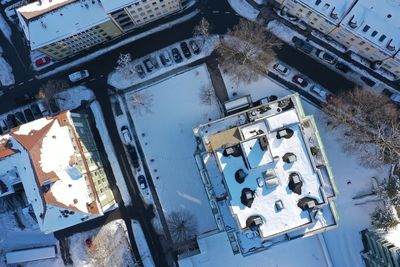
[
  {"x": 329, "y": 8},
  {"x": 53, "y": 185},
  {"x": 112, "y": 5},
  {"x": 261, "y": 161},
  {"x": 377, "y": 22},
  {"x": 63, "y": 20}
]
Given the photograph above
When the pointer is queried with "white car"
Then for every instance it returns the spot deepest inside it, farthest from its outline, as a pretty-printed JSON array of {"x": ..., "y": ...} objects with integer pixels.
[
  {"x": 395, "y": 98},
  {"x": 331, "y": 59},
  {"x": 126, "y": 135},
  {"x": 79, "y": 75},
  {"x": 319, "y": 91},
  {"x": 282, "y": 69}
]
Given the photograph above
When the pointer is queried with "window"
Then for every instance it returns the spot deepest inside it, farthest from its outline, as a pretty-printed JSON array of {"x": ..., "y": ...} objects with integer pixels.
[
  {"x": 361, "y": 43},
  {"x": 374, "y": 33},
  {"x": 99, "y": 182},
  {"x": 315, "y": 19},
  {"x": 383, "y": 37},
  {"x": 366, "y": 28},
  {"x": 367, "y": 49},
  {"x": 317, "y": 2}
]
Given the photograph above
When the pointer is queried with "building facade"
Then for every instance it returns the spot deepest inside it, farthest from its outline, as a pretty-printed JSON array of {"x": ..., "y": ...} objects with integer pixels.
[
  {"x": 61, "y": 28},
  {"x": 367, "y": 28},
  {"x": 378, "y": 251}
]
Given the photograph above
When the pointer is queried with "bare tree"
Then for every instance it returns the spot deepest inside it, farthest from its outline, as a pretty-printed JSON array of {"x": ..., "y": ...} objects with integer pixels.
[
  {"x": 371, "y": 126},
  {"x": 182, "y": 226},
  {"x": 124, "y": 65},
  {"x": 207, "y": 95},
  {"x": 141, "y": 102},
  {"x": 51, "y": 88},
  {"x": 202, "y": 29},
  {"x": 246, "y": 51}
]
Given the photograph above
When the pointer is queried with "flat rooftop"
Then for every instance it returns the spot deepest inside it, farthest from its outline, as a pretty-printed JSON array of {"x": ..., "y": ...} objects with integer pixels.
[{"x": 268, "y": 170}]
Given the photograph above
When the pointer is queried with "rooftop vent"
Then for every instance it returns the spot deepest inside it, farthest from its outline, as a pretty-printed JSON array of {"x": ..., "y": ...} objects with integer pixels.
[
  {"x": 289, "y": 157},
  {"x": 353, "y": 23},
  {"x": 264, "y": 142},
  {"x": 247, "y": 197},
  {"x": 334, "y": 14},
  {"x": 284, "y": 133},
  {"x": 240, "y": 175},
  {"x": 235, "y": 151},
  {"x": 307, "y": 203},
  {"x": 279, "y": 205},
  {"x": 295, "y": 183},
  {"x": 253, "y": 222}
]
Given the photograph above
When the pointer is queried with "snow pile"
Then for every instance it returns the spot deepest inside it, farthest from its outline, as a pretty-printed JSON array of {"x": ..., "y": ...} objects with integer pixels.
[
  {"x": 72, "y": 98},
  {"x": 100, "y": 124},
  {"x": 119, "y": 81},
  {"x": 5, "y": 28},
  {"x": 244, "y": 9},
  {"x": 169, "y": 144},
  {"x": 6, "y": 75},
  {"x": 142, "y": 245},
  {"x": 109, "y": 246}
]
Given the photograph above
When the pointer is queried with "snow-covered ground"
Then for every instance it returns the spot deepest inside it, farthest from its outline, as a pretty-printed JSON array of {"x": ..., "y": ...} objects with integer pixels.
[
  {"x": 244, "y": 9},
  {"x": 120, "y": 81},
  {"x": 168, "y": 141},
  {"x": 117, "y": 45},
  {"x": 141, "y": 243},
  {"x": 6, "y": 74},
  {"x": 110, "y": 246},
  {"x": 107, "y": 142}
]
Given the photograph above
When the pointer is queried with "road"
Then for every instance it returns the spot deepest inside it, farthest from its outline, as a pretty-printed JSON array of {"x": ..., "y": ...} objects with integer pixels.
[{"x": 221, "y": 17}]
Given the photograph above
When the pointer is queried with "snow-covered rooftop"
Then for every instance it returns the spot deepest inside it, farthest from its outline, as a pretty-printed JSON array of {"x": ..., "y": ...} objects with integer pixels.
[
  {"x": 377, "y": 22},
  {"x": 259, "y": 149},
  {"x": 38, "y": 8},
  {"x": 112, "y": 5},
  {"x": 46, "y": 163},
  {"x": 333, "y": 10},
  {"x": 60, "y": 21}
]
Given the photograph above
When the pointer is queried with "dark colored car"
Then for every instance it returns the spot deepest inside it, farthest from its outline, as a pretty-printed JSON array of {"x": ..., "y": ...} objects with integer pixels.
[
  {"x": 29, "y": 115},
  {"x": 194, "y": 46},
  {"x": 24, "y": 99},
  {"x": 140, "y": 71},
  {"x": 185, "y": 50},
  {"x": 176, "y": 55},
  {"x": 300, "y": 80},
  {"x": 368, "y": 81},
  {"x": 36, "y": 111},
  {"x": 302, "y": 45},
  {"x": 148, "y": 65},
  {"x": 342, "y": 67},
  {"x": 154, "y": 61},
  {"x": 142, "y": 182},
  {"x": 20, "y": 118},
  {"x": 134, "y": 156},
  {"x": 54, "y": 108},
  {"x": 12, "y": 121}
]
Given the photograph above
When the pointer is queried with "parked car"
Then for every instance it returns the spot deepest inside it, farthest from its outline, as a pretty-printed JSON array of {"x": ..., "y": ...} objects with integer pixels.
[
  {"x": 319, "y": 91},
  {"x": 148, "y": 65},
  {"x": 282, "y": 69},
  {"x": 154, "y": 61},
  {"x": 194, "y": 46},
  {"x": 302, "y": 45},
  {"x": 326, "y": 57},
  {"x": 300, "y": 80},
  {"x": 29, "y": 115},
  {"x": 79, "y": 75},
  {"x": 395, "y": 97},
  {"x": 43, "y": 108},
  {"x": 53, "y": 105},
  {"x": 43, "y": 60},
  {"x": 185, "y": 50},
  {"x": 36, "y": 111},
  {"x": 165, "y": 59},
  {"x": 11, "y": 121},
  {"x": 134, "y": 156},
  {"x": 126, "y": 135},
  {"x": 342, "y": 67},
  {"x": 176, "y": 55},
  {"x": 142, "y": 182},
  {"x": 20, "y": 118},
  {"x": 368, "y": 81},
  {"x": 4, "y": 125},
  {"x": 24, "y": 99},
  {"x": 140, "y": 71}
]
